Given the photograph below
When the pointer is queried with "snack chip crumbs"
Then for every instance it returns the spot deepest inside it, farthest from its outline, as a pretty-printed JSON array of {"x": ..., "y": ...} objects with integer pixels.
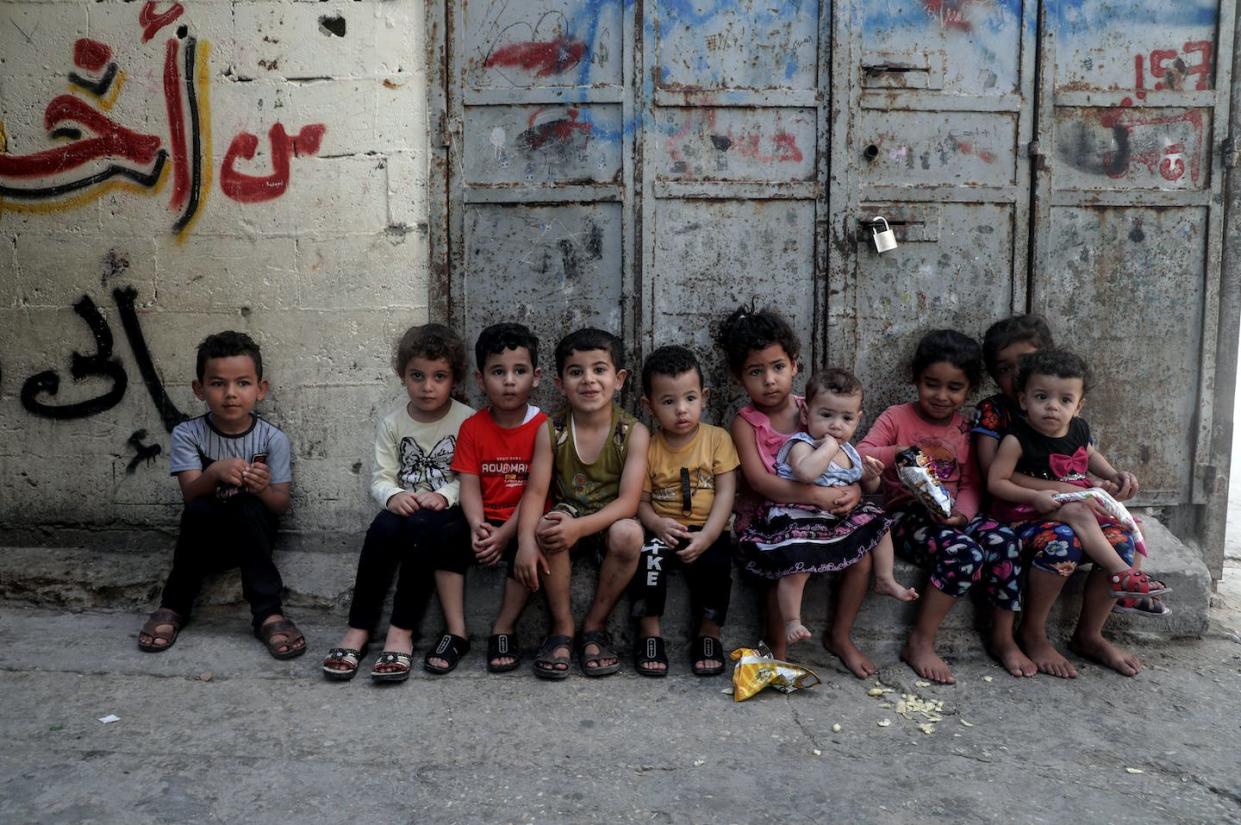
[
  {"x": 836, "y": 728},
  {"x": 1134, "y": 770},
  {"x": 967, "y": 724},
  {"x": 883, "y": 723},
  {"x": 987, "y": 679},
  {"x": 920, "y": 683}
]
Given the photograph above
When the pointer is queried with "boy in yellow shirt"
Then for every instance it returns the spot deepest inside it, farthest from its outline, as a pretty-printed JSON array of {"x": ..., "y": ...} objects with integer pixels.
[{"x": 687, "y": 499}]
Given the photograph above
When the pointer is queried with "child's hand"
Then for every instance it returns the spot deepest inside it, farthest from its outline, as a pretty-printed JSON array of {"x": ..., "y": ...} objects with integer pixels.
[
  {"x": 696, "y": 546},
  {"x": 557, "y": 532},
  {"x": 256, "y": 477},
  {"x": 954, "y": 520},
  {"x": 403, "y": 504},
  {"x": 846, "y": 499},
  {"x": 670, "y": 531},
  {"x": 229, "y": 471},
  {"x": 431, "y": 501},
  {"x": 529, "y": 562},
  {"x": 1126, "y": 485},
  {"x": 1045, "y": 502},
  {"x": 488, "y": 545},
  {"x": 872, "y": 468}
]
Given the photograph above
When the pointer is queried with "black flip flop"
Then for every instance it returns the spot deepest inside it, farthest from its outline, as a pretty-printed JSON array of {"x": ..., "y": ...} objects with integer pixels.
[
  {"x": 450, "y": 648},
  {"x": 503, "y": 644},
  {"x": 650, "y": 650},
  {"x": 707, "y": 647}
]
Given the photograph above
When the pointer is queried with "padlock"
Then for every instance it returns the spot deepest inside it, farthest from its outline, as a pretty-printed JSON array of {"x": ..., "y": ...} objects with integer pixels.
[{"x": 885, "y": 240}]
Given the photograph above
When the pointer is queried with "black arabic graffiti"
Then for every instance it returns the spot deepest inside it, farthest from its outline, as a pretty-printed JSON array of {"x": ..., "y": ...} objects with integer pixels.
[{"x": 103, "y": 364}]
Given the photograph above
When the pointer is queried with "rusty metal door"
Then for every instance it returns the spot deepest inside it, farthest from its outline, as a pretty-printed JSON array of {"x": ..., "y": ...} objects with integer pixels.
[
  {"x": 734, "y": 162},
  {"x": 930, "y": 124},
  {"x": 1132, "y": 120},
  {"x": 540, "y": 162}
]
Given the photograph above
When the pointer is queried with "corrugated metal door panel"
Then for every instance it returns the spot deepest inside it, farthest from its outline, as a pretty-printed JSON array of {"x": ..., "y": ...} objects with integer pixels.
[
  {"x": 541, "y": 167},
  {"x": 931, "y": 123},
  {"x": 734, "y": 149},
  {"x": 1128, "y": 215}
]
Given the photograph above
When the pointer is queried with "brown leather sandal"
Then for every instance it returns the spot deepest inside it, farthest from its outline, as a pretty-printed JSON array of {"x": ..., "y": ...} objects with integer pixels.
[
  {"x": 291, "y": 637},
  {"x": 160, "y": 618}
]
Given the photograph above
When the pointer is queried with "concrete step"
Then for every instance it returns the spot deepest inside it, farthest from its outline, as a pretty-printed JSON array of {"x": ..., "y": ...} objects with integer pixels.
[{"x": 319, "y": 577}]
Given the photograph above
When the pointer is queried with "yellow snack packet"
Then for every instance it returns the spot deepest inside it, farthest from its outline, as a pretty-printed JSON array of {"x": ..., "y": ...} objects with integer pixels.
[{"x": 758, "y": 669}]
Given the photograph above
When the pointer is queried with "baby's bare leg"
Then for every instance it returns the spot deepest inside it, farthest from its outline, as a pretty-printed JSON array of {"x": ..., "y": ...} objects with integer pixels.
[
  {"x": 885, "y": 578},
  {"x": 788, "y": 593},
  {"x": 1081, "y": 518}
]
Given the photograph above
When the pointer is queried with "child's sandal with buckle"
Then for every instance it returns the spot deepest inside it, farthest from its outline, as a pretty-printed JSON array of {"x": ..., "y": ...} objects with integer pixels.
[
  {"x": 1149, "y": 606},
  {"x": 502, "y": 646},
  {"x": 707, "y": 647},
  {"x": 403, "y": 662},
  {"x": 347, "y": 656},
  {"x": 602, "y": 640},
  {"x": 651, "y": 651},
  {"x": 450, "y": 648},
  {"x": 163, "y": 617},
  {"x": 1135, "y": 583},
  {"x": 549, "y": 666}
]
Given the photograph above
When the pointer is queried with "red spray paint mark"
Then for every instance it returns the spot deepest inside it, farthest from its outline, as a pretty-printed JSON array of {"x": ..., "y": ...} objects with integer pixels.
[
  {"x": 176, "y": 126},
  {"x": 787, "y": 150},
  {"x": 966, "y": 147},
  {"x": 1166, "y": 161},
  {"x": 560, "y": 130},
  {"x": 949, "y": 13},
  {"x": 1169, "y": 70},
  {"x": 258, "y": 188},
  {"x": 91, "y": 54},
  {"x": 152, "y": 21},
  {"x": 543, "y": 58},
  {"x": 111, "y": 141}
]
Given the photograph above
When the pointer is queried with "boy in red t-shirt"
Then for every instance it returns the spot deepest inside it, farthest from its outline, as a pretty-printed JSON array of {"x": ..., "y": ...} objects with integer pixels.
[{"x": 494, "y": 449}]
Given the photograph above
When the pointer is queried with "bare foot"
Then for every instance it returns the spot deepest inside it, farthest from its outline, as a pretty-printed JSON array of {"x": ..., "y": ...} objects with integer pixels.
[
  {"x": 1014, "y": 660},
  {"x": 1098, "y": 649},
  {"x": 795, "y": 631},
  {"x": 843, "y": 648},
  {"x": 920, "y": 655},
  {"x": 1046, "y": 658},
  {"x": 893, "y": 588}
]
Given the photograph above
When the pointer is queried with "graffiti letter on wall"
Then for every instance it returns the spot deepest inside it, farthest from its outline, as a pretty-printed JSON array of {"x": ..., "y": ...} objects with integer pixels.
[
  {"x": 100, "y": 364},
  {"x": 126, "y": 300},
  {"x": 152, "y": 22},
  {"x": 255, "y": 189}
]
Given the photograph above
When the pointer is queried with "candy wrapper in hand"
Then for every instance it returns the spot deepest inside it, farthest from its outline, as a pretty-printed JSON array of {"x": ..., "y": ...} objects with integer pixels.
[
  {"x": 914, "y": 470},
  {"x": 1110, "y": 506},
  {"x": 757, "y": 669}
]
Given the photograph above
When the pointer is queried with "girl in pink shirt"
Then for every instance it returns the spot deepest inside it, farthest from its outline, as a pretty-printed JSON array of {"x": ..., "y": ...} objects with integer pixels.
[
  {"x": 762, "y": 351},
  {"x": 966, "y": 547}
]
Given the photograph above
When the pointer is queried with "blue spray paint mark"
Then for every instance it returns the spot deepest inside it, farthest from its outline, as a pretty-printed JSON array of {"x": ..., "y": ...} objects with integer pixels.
[
  {"x": 1081, "y": 16},
  {"x": 585, "y": 27},
  {"x": 914, "y": 14}
]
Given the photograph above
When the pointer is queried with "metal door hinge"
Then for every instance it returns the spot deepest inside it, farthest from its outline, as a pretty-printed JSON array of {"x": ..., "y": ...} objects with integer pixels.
[
  {"x": 1035, "y": 152},
  {"x": 1228, "y": 152}
]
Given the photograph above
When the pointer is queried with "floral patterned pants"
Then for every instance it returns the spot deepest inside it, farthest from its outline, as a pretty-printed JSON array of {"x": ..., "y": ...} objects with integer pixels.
[
  {"x": 1054, "y": 547},
  {"x": 957, "y": 557}
]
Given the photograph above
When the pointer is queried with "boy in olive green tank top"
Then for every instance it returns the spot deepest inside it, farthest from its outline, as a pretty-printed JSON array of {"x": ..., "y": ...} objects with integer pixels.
[{"x": 592, "y": 458}]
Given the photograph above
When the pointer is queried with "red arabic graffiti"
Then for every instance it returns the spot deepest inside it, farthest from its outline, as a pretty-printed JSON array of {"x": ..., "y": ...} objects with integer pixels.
[
  {"x": 152, "y": 22},
  {"x": 1169, "y": 70},
  {"x": 91, "y": 150},
  {"x": 255, "y": 189}
]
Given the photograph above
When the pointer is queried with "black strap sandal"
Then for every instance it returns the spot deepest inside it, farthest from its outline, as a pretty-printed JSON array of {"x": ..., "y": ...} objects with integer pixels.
[
  {"x": 503, "y": 645},
  {"x": 291, "y": 644},
  {"x": 651, "y": 651},
  {"x": 549, "y": 666},
  {"x": 602, "y": 640},
  {"x": 707, "y": 647},
  {"x": 450, "y": 648}
]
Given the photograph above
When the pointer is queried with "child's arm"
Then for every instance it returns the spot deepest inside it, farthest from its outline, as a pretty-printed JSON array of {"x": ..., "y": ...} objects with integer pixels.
[
  {"x": 808, "y": 463},
  {"x": 717, "y": 518},
  {"x": 1121, "y": 484},
  {"x": 530, "y": 559},
  {"x": 472, "y": 507},
  {"x": 773, "y": 488},
  {"x": 384, "y": 489},
  {"x": 566, "y": 531},
  {"x": 198, "y": 483},
  {"x": 1000, "y": 483},
  {"x": 985, "y": 448},
  {"x": 881, "y": 440}
]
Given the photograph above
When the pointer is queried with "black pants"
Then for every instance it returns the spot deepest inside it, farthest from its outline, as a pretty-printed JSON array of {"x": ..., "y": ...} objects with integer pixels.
[
  {"x": 417, "y": 543},
  {"x": 710, "y": 579},
  {"x": 218, "y": 535}
]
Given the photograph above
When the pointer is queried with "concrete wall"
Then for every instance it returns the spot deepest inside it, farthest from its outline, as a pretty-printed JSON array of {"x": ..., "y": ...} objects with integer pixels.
[{"x": 324, "y": 265}]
